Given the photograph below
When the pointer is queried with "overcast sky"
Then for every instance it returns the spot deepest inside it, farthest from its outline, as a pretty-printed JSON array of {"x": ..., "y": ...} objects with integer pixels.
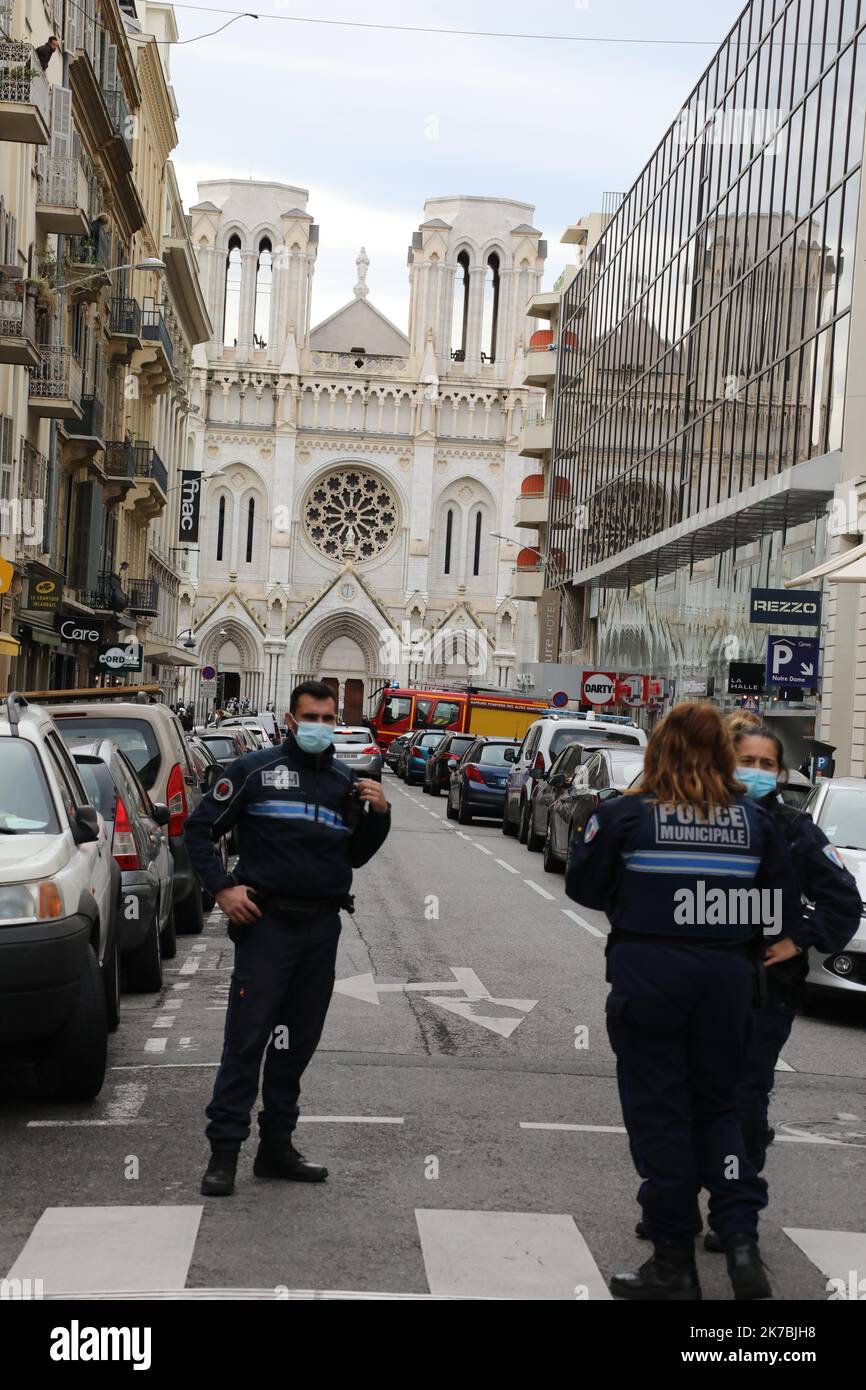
[{"x": 372, "y": 123}]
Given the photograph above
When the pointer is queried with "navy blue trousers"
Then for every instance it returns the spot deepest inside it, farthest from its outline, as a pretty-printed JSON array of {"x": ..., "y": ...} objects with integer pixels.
[
  {"x": 678, "y": 1019},
  {"x": 771, "y": 1028},
  {"x": 280, "y": 991}
]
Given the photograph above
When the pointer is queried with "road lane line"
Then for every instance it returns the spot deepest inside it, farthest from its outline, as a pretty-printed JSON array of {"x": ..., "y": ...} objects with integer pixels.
[
  {"x": 189, "y": 967},
  {"x": 155, "y": 1044},
  {"x": 583, "y": 1129},
  {"x": 112, "y": 1249},
  {"x": 581, "y": 922},
  {"x": 201, "y": 946},
  {"x": 482, "y": 848},
  {"x": 505, "y": 865},
  {"x": 165, "y": 1021},
  {"x": 351, "y": 1119},
  {"x": 507, "y": 1254},
  {"x": 185, "y": 985},
  {"x": 541, "y": 891}
]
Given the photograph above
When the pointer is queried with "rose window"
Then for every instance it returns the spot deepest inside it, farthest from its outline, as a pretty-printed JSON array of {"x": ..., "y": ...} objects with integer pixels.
[{"x": 350, "y": 507}]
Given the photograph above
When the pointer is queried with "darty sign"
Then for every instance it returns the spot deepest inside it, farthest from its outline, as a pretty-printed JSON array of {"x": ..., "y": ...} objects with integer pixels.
[{"x": 598, "y": 687}]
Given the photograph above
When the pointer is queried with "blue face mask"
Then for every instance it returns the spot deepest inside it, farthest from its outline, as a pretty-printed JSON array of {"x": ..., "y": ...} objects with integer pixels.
[
  {"x": 758, "y": 783},
  {"x": 314, "y": 738}
]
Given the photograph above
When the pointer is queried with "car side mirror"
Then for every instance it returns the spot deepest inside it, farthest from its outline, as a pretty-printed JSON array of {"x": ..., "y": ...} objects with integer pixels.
[
  {"x": 607, "y": 794},
  {"x": 85, "y": 825},
  {"x": 556, "y": 779},
  {"x": 160, "y": 813},
  {"x": 537, "y": 774},
  {"x": 452, "y": 762},
  {"x": 510, "y": 754}
]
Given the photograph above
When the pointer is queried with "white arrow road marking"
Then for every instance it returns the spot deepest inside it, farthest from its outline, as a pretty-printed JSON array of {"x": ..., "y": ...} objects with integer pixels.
[
  {"x": 484, "y": 1011},
  {"x": 113, "y": 1249},
  {"x": 507, "y": 1254},
  {"x": 836, "y": 1254},
  {"x": 364, "y": 986}
]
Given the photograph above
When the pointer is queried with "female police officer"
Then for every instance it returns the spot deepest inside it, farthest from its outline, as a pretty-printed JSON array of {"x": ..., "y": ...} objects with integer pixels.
[
  {"x": 669, "y": 865},
  {"x": 829, "y": 920}
]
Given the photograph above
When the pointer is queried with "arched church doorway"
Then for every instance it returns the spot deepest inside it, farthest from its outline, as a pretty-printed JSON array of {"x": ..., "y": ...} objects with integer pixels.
[
  {"x": 344, "y": 665},
  {"x": 231, "y": 686},
  {"x": 353, "y": 701}
]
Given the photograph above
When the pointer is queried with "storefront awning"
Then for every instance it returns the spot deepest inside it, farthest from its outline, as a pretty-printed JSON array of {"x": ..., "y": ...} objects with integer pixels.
[
  {"x": 163, "y": 656},
  {"x": 847, "y": 568}
]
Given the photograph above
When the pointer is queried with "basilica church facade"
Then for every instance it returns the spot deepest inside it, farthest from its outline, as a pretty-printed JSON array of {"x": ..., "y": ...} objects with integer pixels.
[{"x": 359, "y": 481}]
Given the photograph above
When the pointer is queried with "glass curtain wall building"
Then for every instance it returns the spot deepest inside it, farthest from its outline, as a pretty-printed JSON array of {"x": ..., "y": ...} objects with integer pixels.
[{"x": 704, "y": 355}]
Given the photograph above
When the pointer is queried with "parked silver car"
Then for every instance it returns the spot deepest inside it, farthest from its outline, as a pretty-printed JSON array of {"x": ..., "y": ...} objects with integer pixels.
[
  {"x": 355, "y": 746},
  {"x": 838, "y": 806}
]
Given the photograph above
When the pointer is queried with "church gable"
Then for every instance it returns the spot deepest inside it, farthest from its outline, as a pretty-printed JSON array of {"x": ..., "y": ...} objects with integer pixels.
[{"x": 359, "y": 325}]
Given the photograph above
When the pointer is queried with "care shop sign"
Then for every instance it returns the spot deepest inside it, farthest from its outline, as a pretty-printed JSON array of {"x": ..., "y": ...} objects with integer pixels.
[{"x": 78, "y": 632}]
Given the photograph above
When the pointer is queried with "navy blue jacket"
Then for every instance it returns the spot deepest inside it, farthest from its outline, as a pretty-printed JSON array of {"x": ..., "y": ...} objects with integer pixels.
[
  {"x": 656, "y": 871},
  {"x": 832, "y": 911},
  {"x": 300, "y": 829}
]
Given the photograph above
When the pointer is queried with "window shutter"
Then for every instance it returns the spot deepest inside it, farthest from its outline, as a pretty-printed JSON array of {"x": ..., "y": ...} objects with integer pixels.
[
  {"x": 73, "y": 32},
  {"x": 61, "y": 121},
  {"x": 11, "y": 239},
  {"x": 6, "y": 426},
  {"x": 109, "y": 75}
]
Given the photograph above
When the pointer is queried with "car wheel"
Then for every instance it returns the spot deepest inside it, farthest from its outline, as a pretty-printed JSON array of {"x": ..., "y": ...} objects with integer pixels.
[
  {"x": 449, "y": 809},
  {"x": 73, "y": 1067},
  {"x": 144, "y": 964},
  {"x": 508, "y": 826},
  {"x": 168, "y": 939},
  {"x": 464, "y": 815},
  {"x": 111, "y": 983},
  {"x": 435, "y": 789},
  {"x": 534, "y": 841},
  {"x": 524, "y": 823},
  {"x": 424, "y": 787},
  {"x": 551, "y": 863},
  {"x": 189, "y": 914}
]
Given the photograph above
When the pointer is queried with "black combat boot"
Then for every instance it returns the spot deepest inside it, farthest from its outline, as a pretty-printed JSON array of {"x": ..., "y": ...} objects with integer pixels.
[
  {"x": 670, "y": 1275},
  {"x": 219, "y": 1178},
  {"x": 713, "y": 1243},
  {"x": 745, "y": 1267},
  {"x": 278, "y": 1158}
]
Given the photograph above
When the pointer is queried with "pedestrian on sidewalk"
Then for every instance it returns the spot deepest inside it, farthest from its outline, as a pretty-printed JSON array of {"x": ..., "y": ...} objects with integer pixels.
[
  {"x": 303, "y": 822},
  {"x": 683, "y": 979}
]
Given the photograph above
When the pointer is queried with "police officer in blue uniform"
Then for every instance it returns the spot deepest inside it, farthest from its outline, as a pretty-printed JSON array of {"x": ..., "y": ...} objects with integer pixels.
[
  {"x": 303, "y": 823},
  {"x": 669, "y": 866},
  {"x": 830, "y": 917}
]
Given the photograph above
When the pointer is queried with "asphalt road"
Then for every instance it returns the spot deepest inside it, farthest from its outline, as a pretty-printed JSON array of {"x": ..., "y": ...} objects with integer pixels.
[{"x": 470, "y": 1123}]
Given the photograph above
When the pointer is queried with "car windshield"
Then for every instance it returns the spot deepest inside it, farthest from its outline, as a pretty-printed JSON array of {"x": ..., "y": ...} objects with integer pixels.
[
  {"x": 623, "y": 771},
  {"x": 457, "y": 747},
  {"x": 429, "y": 740},
  {"x": 135, "y": 736},
  {"x": 25, "y": 801},
  {"x": 495, "y": 752},
  {"x": 223, "y": 747},
  {"x": 563, "y": 737},
  {"x": 843, "y": 817}
]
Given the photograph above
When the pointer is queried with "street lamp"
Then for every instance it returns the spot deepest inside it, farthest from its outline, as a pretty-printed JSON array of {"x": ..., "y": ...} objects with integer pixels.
[
  {"x": 497, "y": 535},
  {"x": 149, "y": 263},
  {"x": 190, "y": 641}
]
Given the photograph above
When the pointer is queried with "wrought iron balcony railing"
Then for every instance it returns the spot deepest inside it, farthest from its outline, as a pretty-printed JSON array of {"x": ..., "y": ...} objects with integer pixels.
[
  {"x": 92, "y": 250},
  {"x": 17, "y": 314},
  {"x": 33, "y": 484},
  {"x": 22, "y": 81},
  {"x": 143, "y": 596},
  {"x": 58, "y": 376},
  {"x": 118, "y": 459},
  {"x": 126, "y": 317},
  {"x": 153, "y": 327},
  {"x": 119, "y": 114},
  {"x": 148, "y": 464},
  {"x": 90, "y": 424}
]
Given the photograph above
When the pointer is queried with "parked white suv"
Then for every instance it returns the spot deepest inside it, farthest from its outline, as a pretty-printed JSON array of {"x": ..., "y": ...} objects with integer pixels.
[
  {"x": 544, "y": 740},
  {"x": 59, "y": 902}
]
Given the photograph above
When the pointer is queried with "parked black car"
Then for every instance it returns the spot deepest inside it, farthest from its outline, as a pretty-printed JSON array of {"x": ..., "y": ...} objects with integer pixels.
[
  {"x": 443, "y": 760},
  {"x": 569, "y": 793},
  {"x": 136, "y": 833},
  {"x": 477, "y": 784},
  {"x": 413, "y": 759},
  {"x": 394, "y": 751}
]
